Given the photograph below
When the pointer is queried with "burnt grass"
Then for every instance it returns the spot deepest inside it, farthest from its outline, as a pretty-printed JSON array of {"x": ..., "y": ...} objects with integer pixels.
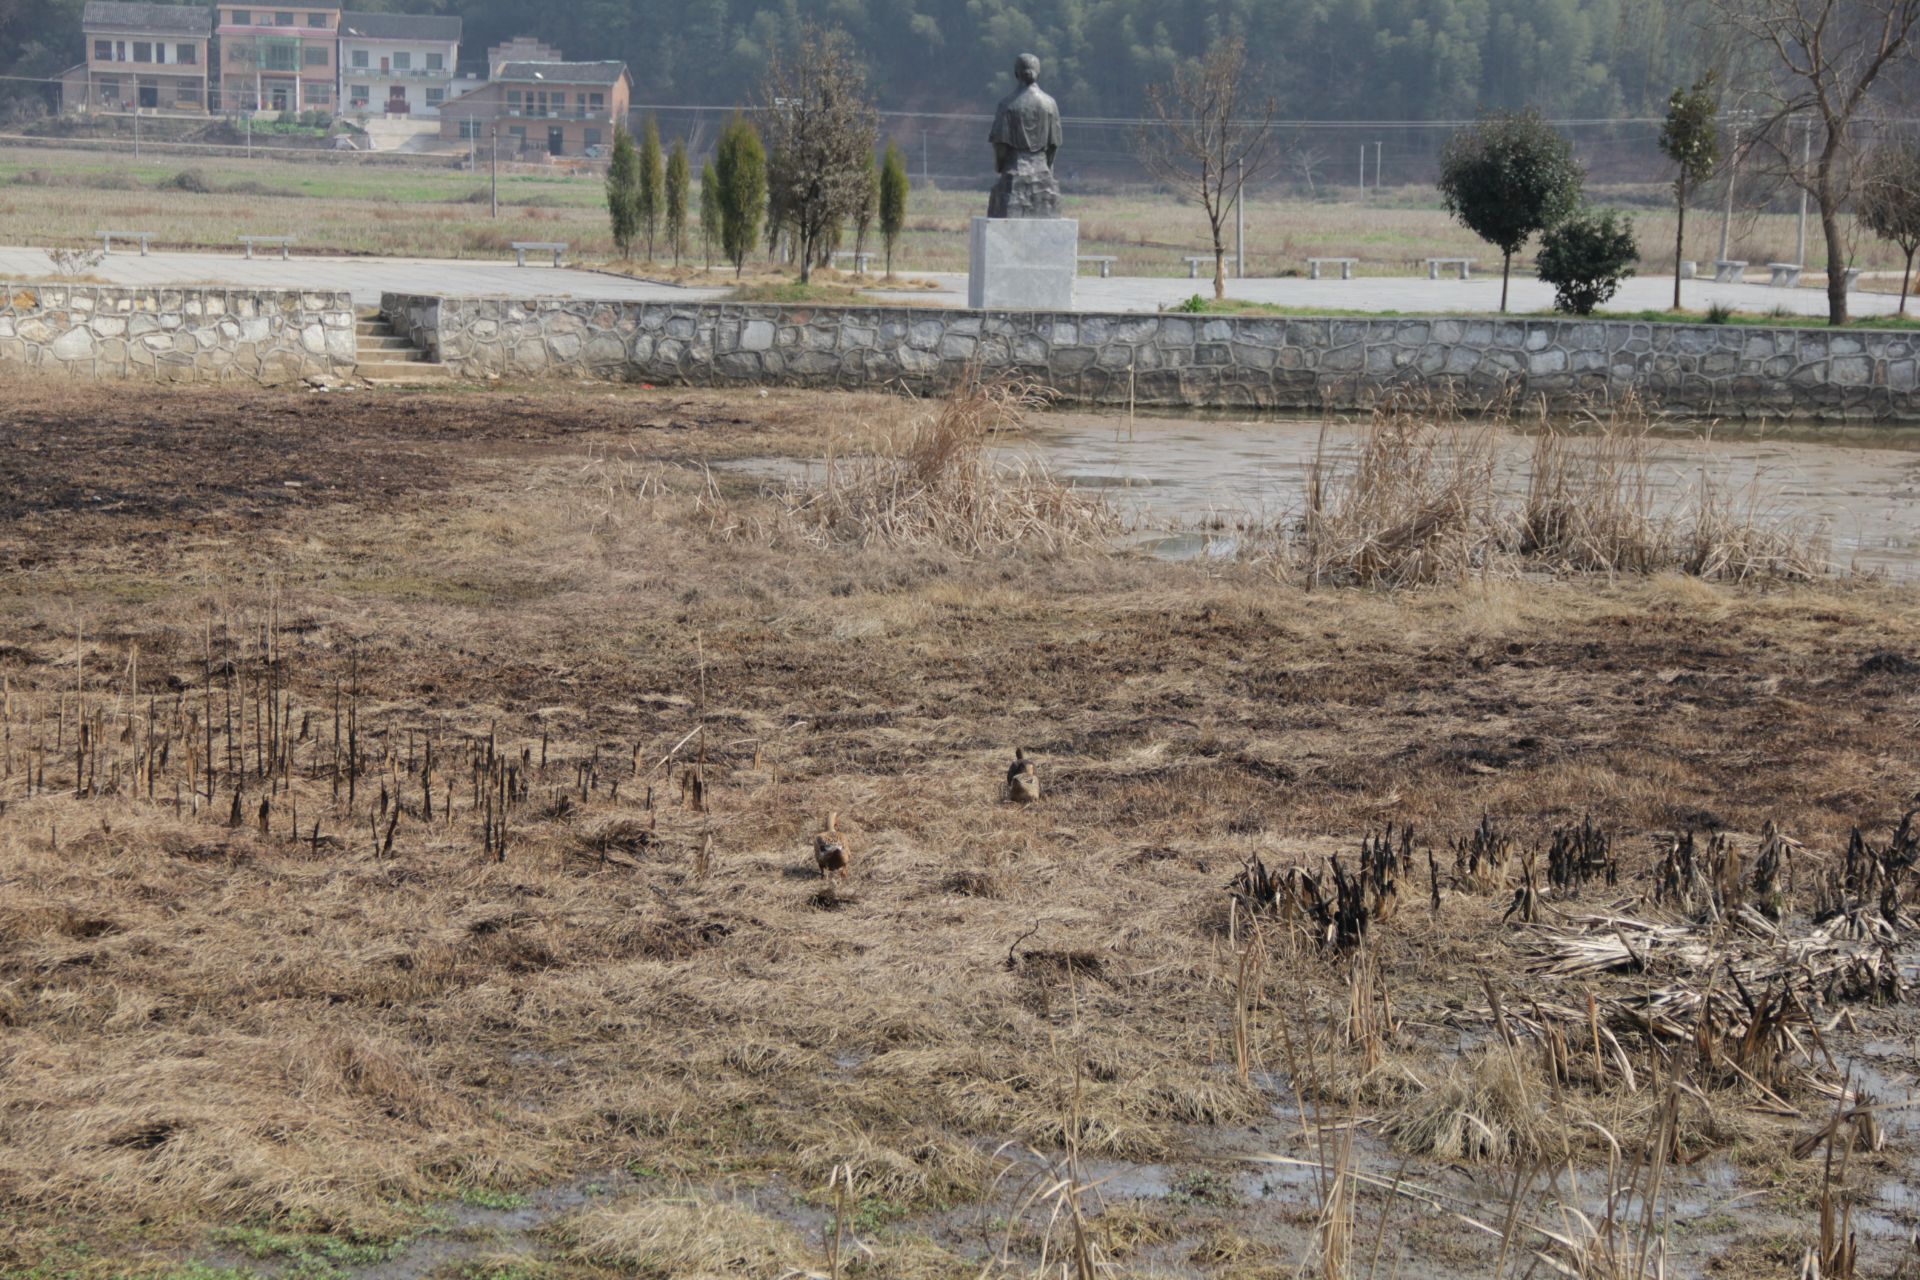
[{"x": 204, "y": 1025}]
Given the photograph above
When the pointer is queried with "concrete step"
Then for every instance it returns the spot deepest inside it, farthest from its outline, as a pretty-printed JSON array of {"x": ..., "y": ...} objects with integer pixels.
[
  {"x": 394, "y": 355},
  {"x": 373, "y": 328},
  {"x": 385, "y": 342},
  {"x": 402, "y": 373}
]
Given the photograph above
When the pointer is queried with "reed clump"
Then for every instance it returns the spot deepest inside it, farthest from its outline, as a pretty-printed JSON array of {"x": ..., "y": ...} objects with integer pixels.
[{"x": 939, "y": 484}]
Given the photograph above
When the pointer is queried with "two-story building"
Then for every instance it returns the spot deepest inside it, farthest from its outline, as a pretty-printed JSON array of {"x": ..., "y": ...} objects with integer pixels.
[
  {"x": 280, "y": 58},
  {"x": 543, "y": 108},
  {"x": 147, "y": 56},
  {"x": 398, "y": 63}
]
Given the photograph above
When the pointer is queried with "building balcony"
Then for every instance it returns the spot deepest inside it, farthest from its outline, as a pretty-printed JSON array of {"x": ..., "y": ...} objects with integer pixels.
[{"x": 401, "y": 73}]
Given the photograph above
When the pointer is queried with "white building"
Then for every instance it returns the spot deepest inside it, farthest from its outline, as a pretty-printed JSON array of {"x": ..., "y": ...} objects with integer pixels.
[{"x": 398, "y": 63}]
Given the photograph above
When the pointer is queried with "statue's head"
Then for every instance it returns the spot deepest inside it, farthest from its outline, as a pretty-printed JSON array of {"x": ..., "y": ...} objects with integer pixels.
[{"x": 1026, "y": 68}]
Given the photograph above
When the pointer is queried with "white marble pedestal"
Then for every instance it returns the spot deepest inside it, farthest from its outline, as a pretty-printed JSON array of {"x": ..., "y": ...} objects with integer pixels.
[{"x": 1023, "y": 264}]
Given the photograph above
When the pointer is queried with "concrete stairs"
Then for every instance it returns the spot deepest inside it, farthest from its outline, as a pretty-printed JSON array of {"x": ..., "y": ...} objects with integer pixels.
[{"x": 389, "y": 359}]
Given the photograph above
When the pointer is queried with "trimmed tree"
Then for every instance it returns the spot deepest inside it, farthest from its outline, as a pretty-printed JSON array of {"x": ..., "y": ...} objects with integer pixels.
[
  {"x": 740, "y": 166},
  {"x": 1585, "y": 257},
  {"x": 679, "y": 177},
  {"x": 653, "y": 183},
  {"x": 893, "y": 200},
  {"x": 623, "y": 191},
  {"x": 710, "y": 212},
  {"x": 1690, "y": 139},
  {"x": 1889, "y": 202},
  {"x": 1507, "y": 178}
]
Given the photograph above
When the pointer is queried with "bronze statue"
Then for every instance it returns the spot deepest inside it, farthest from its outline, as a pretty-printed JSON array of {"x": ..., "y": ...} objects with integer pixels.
[{"x": 1025, "y": 138}]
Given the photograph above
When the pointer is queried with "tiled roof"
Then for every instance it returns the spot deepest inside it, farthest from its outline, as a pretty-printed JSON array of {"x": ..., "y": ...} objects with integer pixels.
[
  {"x": 401, "y": 26},
  {"x": 157, "y": 19},
  {"x": 564, "y": 72}
]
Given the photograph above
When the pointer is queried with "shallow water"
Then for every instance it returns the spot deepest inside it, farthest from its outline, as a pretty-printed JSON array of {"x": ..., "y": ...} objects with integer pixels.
[{"x": 1188, "y": 484}]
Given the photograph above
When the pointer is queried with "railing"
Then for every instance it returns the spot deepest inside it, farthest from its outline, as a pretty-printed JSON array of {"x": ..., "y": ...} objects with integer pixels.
[
  {"x": 402, "y": 73},
  {"x": 517, "y": 113}
]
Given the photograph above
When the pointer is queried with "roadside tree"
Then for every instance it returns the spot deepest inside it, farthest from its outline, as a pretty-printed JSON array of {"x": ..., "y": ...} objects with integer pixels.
[
  {"x": 821, "y": 128},
  {"x": 1507, "y": 178},
  {"x": 1690, "y": 137},
  {"x": 623, "y": 191},
  {"x": 1889, "y": 201}
]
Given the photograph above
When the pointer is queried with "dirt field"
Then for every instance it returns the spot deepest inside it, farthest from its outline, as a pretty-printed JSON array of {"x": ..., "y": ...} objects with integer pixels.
[{"x": 407, "y": 813}]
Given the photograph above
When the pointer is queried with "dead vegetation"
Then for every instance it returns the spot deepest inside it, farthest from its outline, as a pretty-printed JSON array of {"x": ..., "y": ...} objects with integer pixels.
[{"x": 445, "y": 823}]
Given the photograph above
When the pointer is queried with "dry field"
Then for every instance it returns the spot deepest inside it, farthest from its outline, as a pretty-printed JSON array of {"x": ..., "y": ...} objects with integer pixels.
[
  {"x": 433, "y": 212},
  {"x": 407, "y": 808}
]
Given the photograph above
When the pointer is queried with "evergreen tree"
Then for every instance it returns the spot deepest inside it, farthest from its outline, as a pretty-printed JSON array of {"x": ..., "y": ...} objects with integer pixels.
[
  {"x": 1690, "y": 139},
  {"x": 740, "y": 165},
  {"x": 1509, "y": 177},
  {"x": 710, "y": 212},
  {"x": 869, "y": 205},
  {"x": 678, "y": 177},
  {"x": 623, "y": 191},
  {"x": 653, "y": 195},
  {"x": 893, "y": 200}
]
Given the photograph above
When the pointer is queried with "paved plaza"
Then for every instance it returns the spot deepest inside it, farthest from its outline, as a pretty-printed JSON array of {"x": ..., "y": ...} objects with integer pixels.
[{"x": 366, "y": 278}]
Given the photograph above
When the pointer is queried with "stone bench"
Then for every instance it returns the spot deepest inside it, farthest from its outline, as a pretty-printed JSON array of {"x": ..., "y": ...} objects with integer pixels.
[
  {"x": 1853, "y": 278},
  {"x": 285, "y": 243},
  {"x": 1106, "y": 263},
  {"x": 1786, "y": 275},
  {"x": 1689, "y": 269},
  {"x": 861, "y": 261},
  {"x": 1729, "y": 271},
  {"x": 1464, "y": 264},
  {"x": 1194, "y": 261},
  {"x": 1346, "y": 267},
  {"x": 107, "y": 239},
  {"x": 521, "y": 248}
]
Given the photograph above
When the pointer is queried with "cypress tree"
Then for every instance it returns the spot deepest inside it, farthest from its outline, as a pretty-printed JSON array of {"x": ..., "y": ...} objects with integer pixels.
[
  {"x": 653, "y": 196},
  {"x": 678, "y": 178},
  {"x": 893, "y": 200},
  {"x": 623, "y": 191}
]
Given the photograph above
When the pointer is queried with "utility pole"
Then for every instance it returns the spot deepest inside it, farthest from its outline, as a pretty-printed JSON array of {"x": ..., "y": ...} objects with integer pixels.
[
  {"x": 1376, "y": 167},
  {"x": 1806, "y": 161},
  {"x": 1733, "y": 175},
  {"x": 495, "y": 197},
  {"x": 1240, "y": 219},
  {"x": 249, "y": 119},
  {"x": 1363, "y": 170},
  {"x": 136, "y": 138},
  {"x": 925, "y": 180}
]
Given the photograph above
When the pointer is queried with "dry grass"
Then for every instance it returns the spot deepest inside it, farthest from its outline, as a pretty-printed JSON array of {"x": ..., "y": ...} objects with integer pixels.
[
  {"x": 937, "y": 484},
  {"x": 1425, "y": 499},
  {"x": 571, "y": 968}
]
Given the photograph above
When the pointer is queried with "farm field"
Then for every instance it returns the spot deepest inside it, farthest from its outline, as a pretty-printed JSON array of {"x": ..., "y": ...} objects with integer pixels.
[
  {"x": 427, "y": 212},
  {"x": 407, "y": 824}
]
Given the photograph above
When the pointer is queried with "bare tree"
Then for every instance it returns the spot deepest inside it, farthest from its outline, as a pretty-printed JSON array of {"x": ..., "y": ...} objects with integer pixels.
[
  {"x": 1206, "y": 140},
  {"x": 1826, "y": 56},
  {"x": 821, "y": 130},
  {"x": 1308, "y": 161}
]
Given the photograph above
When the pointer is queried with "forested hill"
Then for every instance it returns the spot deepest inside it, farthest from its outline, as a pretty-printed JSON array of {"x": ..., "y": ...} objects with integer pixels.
[{"x": 1326, "y": 59}]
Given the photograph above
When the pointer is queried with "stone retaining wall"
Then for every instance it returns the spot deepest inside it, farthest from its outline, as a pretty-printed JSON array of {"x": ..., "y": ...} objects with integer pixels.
[
  {"x": 175, "y": 335},
  {"x": 1172, "y": 360}
]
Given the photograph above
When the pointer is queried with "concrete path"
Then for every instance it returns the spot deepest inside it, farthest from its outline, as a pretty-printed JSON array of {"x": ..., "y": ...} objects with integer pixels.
[{"x": 366, "y": 278}]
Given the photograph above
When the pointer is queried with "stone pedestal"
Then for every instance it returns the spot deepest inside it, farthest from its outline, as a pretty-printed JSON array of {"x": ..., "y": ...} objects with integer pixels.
[{"x": 1023, "y": 264}]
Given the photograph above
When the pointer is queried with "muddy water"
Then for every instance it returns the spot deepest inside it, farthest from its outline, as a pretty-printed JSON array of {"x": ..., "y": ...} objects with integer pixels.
[{"x": 1187, "y": 484}]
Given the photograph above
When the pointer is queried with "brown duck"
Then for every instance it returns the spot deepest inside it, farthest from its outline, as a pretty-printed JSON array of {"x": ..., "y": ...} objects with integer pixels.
[
  {"x": 830, "y": 852},
  {"x": 1023, "y": 784}
]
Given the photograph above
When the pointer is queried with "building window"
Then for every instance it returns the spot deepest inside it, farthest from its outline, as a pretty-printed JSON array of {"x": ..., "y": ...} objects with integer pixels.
[
  {"x": 434, "y": 63},
  {"x": 320, "y": 95},
  {"x": 436, "y": 96},
  {"x": 317, "y": 20},
  {"x": 360, "y": 58},
  {"x": 238, "y": 53},
  {"x": 593, "y": 137},
  {"x": 103, "y": 51},
  {"x": 316, "y": 55},
  {"x": 518, "y": 132},
  {"x": 241, "y": 18},
  {"x": 597, "y": 101},
  {"x": 470, "y": 129},
  {"x": 360, "y": 94},
  {"x": 282, "y": 19},
  {"x": 110, "y": 88},
  {"x": 142, "y": 51},
  {"x": 513, "y": 100},
  {"x": 403, "y": 62},
  {"x": 186, "y": 55}
]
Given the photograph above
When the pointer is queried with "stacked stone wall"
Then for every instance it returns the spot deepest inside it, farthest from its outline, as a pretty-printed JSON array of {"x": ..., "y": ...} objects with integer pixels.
[
  {"x": 1180, "y": 361},
  {"x": 175, "y": 334}
]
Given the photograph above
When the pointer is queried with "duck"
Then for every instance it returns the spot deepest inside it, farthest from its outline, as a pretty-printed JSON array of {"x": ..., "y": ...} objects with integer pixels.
[
  {"x": 830, "y": 852},
  {"x": 1023, "y": 784}
]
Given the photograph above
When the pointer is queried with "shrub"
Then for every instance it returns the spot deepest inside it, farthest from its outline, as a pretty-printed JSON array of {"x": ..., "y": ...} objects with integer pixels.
[
  {"x": 1719, "y": 313},
  {"x": 1585, "y": 258},
  {"x": 188, "y": 180}
]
